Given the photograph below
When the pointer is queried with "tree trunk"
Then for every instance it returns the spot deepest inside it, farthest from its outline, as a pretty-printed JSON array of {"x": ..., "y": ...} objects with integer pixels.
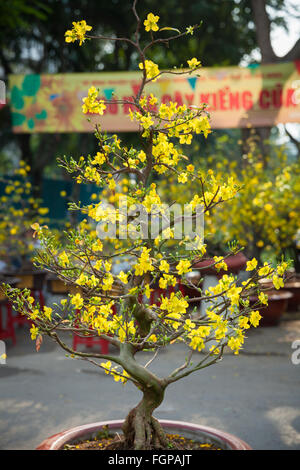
[{"x": 141, "y": 430}]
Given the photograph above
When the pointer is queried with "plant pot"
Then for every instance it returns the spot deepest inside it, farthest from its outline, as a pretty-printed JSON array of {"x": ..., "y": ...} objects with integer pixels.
[
  {"x": 194, "y": 431},
  {"x": 292, "y": 285},
  {"x": 235, "y": 263},
  {"x": 294, "y": 302},
  {"x": 277, "y": 305}
]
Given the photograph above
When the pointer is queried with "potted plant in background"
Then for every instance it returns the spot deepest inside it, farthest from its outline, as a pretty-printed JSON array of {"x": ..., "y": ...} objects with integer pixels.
[
  {"x": 263, "y": 217},
  {"x": 19, "y": 209},
  {"x": 116, "y": 307}
]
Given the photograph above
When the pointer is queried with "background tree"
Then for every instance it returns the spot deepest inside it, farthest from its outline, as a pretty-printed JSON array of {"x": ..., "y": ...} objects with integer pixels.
[
  {"x": 31, "y": 41},
  {"x": 266, "y": 14}
]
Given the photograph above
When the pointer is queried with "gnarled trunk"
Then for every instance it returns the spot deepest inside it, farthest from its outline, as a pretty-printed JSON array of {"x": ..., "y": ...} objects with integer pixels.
[{"x": 141, "y": 430}]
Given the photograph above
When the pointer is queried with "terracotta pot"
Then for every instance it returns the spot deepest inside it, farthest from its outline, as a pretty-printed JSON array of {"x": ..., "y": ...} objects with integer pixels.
[
  {"x": 235, "y": 263},
  {"x": 277, "y": 305},
  {"x": 292, "y": 285},
  {"x": 194, "y": 431}
]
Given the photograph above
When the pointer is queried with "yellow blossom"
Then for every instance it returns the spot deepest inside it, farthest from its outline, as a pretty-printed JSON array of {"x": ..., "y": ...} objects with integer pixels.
[
  {"x": 34, "y": 332},
  {"x": 78, "y": 32},
  {"x": 193, "y": 63},
  {"x": 151, "y": 22},
  {"x": 77, "y": 301},
  {"x": 251, "y": 264},
  {"x": 184, "y": 266}
]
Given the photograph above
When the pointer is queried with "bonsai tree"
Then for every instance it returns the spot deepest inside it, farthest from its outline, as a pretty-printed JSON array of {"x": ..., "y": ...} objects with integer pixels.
[{"x": 116, "y": 305}]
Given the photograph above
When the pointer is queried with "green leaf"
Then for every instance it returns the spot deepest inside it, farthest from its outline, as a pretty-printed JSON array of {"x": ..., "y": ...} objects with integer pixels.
[
  {"x": 41, "y": 115},
  {"x": 168, "y": 28},
  {"x": 30, "y": 123},
  {"x": 31, "y": 84},
  {"x": 16, "y": 98},
  {"x": 18, "y": 119}
]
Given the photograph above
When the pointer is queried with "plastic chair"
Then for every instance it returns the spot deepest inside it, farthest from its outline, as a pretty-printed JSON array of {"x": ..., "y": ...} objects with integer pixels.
[{"x": 8, "y": 331}]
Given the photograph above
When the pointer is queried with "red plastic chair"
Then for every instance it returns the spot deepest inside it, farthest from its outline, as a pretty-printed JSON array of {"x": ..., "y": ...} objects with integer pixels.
[{"x": 8, "y": 330}]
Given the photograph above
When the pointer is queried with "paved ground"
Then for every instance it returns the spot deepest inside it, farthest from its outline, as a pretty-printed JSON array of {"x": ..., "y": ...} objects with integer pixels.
[{"x": 254, "y": 395}]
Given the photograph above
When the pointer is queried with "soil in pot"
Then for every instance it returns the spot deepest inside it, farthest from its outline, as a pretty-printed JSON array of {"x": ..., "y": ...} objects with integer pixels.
[{"x": 111, "y": 442}]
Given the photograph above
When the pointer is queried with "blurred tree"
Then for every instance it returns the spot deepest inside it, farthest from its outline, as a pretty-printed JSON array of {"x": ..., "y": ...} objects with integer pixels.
[
  {"x": 32, "y": 41},
  {"x": 266, "y": 14}
]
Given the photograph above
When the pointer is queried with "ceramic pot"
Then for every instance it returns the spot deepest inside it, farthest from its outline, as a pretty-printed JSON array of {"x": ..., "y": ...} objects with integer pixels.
[
  {"x": 277, "y": 305},
  {"x": 235, "y": 263},
  {"x": 204, "y": 434}
]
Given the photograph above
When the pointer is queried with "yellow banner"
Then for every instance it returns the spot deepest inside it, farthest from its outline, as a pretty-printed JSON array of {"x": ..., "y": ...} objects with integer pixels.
[{"x": 261, "y": 96}]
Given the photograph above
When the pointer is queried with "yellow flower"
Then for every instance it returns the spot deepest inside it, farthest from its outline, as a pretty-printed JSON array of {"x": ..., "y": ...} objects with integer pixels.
[
  {"x": 277, "y": 281},
  {"x": 281, "y": 268},
  {"x": 189, "y": 325},
  {"x": 123, "y": 277},
  {"x": 151, "y": 69},
  {"x": 43, "y": 210},
  {"x": 108, "y": 282},
  {"x": 164, "y": 266},
  {"x": 144, "y": 263},
  {"x": 106, "y": 366},
  {"x": 63, "y": 258},
  {"x": 150, "y": 22},
  {"x": 99, "y": 159},
  {"x": 190, "y": 168},
  {"x": 254, "y": 318},
  {"x": 77, "y": 301},
  {"x": 235, "y": 344},
  {"x": 48, "y": 313},
  {"x": 77, "y": 32},
  {"x": 268, "y": 207},
  {"x": 147, "y": 291},
  {"x": 263, "y": 298},
  {"x": 194, "y": 63},
  {"x": 251, "y": 264},
  {"x": 244, "y": 323},
  {"x": 34, "y": 332},
  {"x": 183, "y": 266},
  {"x": 33, "y": 315},
  {"x": 221, "y": 264},
  {"x": 265, "y": 270},
  {"x": 92, "y": 104},
  {"x": 182, "y": 178}
]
